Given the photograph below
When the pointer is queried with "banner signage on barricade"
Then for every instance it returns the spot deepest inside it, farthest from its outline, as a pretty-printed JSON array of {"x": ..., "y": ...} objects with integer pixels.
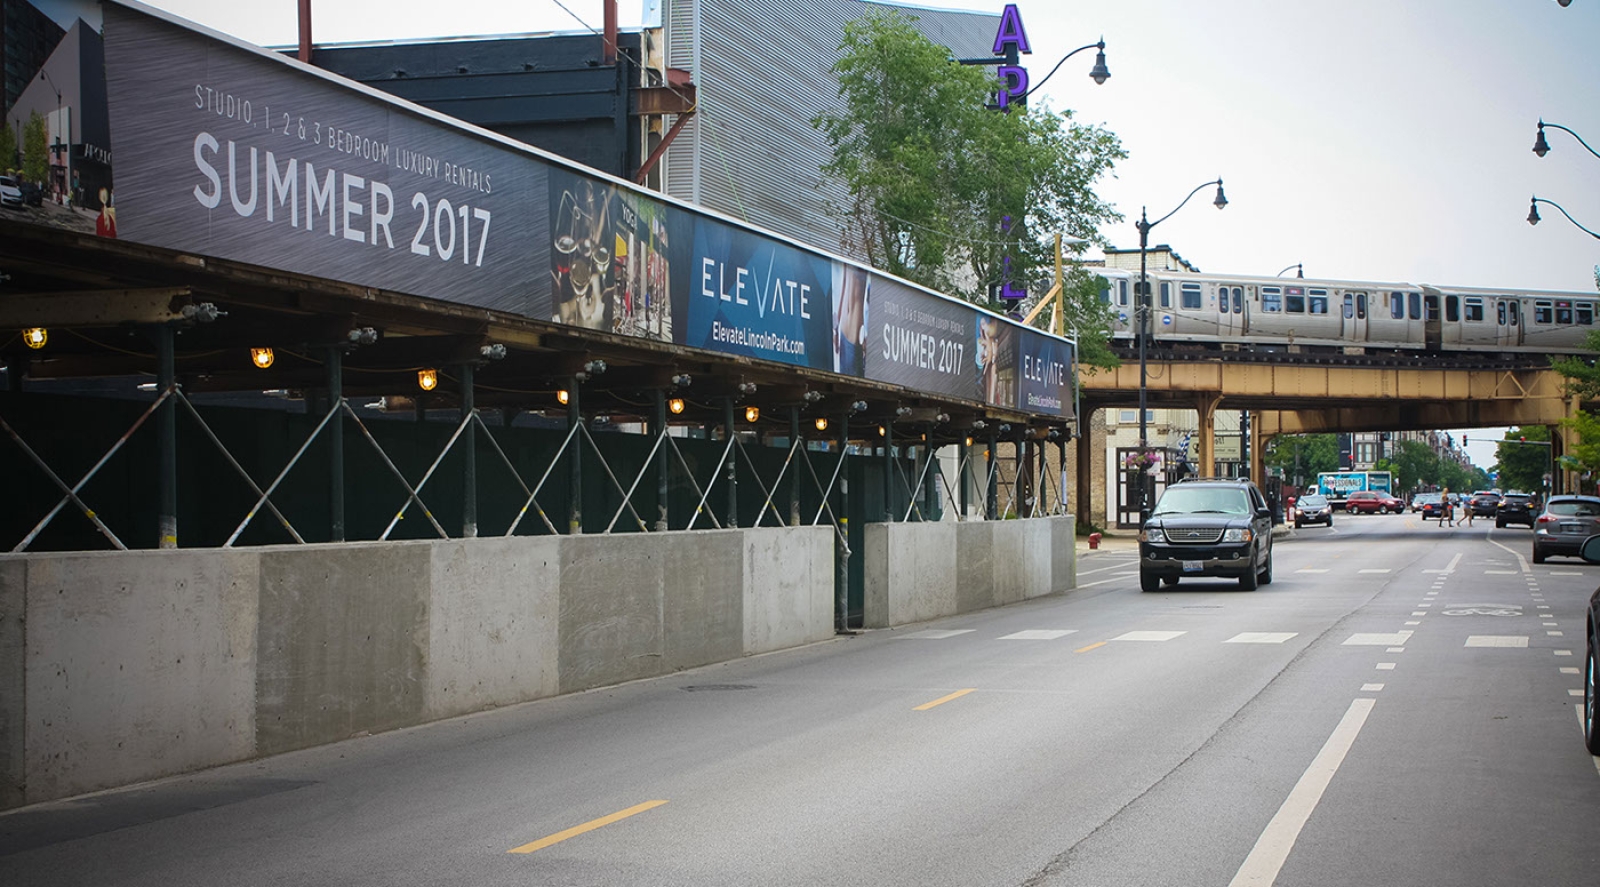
[{"x": 229, "y": 150}]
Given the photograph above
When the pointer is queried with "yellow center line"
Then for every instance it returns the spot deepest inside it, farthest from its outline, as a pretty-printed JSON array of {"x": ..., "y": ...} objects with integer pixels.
[
  {"x": 943, "y": 699},
  {"x": 590, "y": 826},
  {"x": 1092, "y": 646}
]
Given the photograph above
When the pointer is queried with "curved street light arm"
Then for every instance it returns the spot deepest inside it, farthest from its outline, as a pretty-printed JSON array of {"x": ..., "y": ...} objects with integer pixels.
[
  {"x": 1541, "y": 147},
  {"x": 1100, "y": 65},
  {"x": 1533, "y": 215},
  {"x": 1221, "y": 202},
  {"x": 1299, "y": 269}
]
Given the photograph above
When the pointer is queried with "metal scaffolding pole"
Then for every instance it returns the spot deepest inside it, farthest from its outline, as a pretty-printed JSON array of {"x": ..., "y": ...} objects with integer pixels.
[
  {"x": 336, "y": 521},
  {"x": 992, "y": 494},
  {"x": 733, "y": 469},
  {"x": 794, "y": 486},
  {"x": 167, "y": 431},
  {"x": 888, "y": 471},
  {"x": 469, "y": 482},
  {"x": 575, "y": 462},
  {"x": 661, "y": 470},
  {"x": 841, "y": 582}
]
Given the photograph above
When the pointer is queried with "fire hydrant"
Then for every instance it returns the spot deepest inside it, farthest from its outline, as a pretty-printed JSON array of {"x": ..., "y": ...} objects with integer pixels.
[{"x": 1094, "y": 540}]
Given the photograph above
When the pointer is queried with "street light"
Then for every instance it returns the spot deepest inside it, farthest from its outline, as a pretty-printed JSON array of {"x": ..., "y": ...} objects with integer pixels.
[
  {"x": 66, "y": 167},
  {"x": 1542, "y": 147},
  {"x": 1144, "y": 225},
  {"x": 1099, "y": 73},
  {"x": 1533, "y": 215}
]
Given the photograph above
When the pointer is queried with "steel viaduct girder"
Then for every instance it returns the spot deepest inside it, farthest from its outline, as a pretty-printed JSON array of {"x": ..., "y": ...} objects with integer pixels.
[{"x": 1300, "y": 398}]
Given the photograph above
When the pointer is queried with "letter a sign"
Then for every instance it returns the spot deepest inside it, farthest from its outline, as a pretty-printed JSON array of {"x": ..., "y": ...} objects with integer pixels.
[{"x": 1011, "y": 40}]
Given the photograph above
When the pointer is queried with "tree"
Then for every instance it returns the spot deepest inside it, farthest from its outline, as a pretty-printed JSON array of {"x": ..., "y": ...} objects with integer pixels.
[
  {"x": 944, "y": 190},
  {"x": 1312, "y": 453},
  {"x": 1524, "y": 465},
  {"x": 35, "y": 149}
]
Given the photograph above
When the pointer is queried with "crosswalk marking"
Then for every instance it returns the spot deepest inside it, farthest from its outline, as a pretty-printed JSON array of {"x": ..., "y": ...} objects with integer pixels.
[
  {"x": 1497, "y": 640},
  {"x": 1039, "y": 634},
  {"x": 1261, "y": 637},
  {"x": 1149, "y": 635}
]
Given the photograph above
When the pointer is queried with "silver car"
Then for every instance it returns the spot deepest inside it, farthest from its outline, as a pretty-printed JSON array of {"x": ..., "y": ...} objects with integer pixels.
[{"x": 10, "y": 192}]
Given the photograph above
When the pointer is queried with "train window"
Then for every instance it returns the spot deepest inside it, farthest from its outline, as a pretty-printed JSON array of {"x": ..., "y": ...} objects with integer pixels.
[
  {"x": 1349, "y": 306},
  {"x": 1431, "y": 306},
  {"x": 1500, "y": 312},
  {"x": 1294, "y": 302},
  {"x": 1166, "y": 294},
  {"x": 1415, "y": 301},
  {"x": 1452, "y": 309},
  {"x": 1585, "y": 315},
  {"x": 1541, "y": 312},
  {"x": 1564, "y": 313},
  {"x": 1319, "y": 302},
  {"x": 1512, "y": 312},
  {"x": 1397, "y": 305},
  {"x": 1189, "y": 295},
  {"x": 1122, "y": 293},
  {"x": 1361, "y": 306},
  {"x": 1272, "y": 299},
  {"x": 1238, "y": 300},
  {"x": 1474, "y": 308}
]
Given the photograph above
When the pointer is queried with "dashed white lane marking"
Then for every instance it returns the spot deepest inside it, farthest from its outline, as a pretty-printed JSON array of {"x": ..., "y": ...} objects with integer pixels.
[
  {"x": 1554, "y": 634},
  {"x": 1500, "y": 572},
  {"x": 1375, "y": 571},
  {"x": 1266, "y": 859},
  {"x": 1570, "y": 670},
  {"x": 1395, "y": 650},
  {"x": 1039, "y": 634},
  {"x": 1496, "y": 640},
  {"x": 935, "y": 634},
  {"x": 1413, "y": 623},
  {"x": 1550, "y": 624},
  {"x": 1577, "y": 693},
  {"x": 1563, "y": 652},
  {"x": 1149, "y": 635},
  {"x": 1374, "y": 639},
  {"x": 1261, "y": 637},
  {"x": 1371, "y": 688},
  {"x": 1566, "y": 574},
  {"x": 1386, "y": 666},
  {"x": 1309, "y": 570},
  {"x": 1419, "y": 612}
]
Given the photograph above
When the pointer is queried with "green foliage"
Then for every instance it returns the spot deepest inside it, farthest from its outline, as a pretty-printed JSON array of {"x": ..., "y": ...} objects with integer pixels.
[
  {"x": 932, "y": 171},
  {"x": 35, "y": 149},
  {"x": 1524, "y": 465},
  {"x": 1316, "y": 453}
]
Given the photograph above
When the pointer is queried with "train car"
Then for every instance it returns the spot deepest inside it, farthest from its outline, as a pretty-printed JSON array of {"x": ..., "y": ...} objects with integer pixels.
[{"x": 1218, "y": 311}]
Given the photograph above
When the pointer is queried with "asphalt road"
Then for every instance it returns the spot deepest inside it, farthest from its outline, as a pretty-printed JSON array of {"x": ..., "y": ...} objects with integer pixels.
[{"x": 1396, "y": 708}]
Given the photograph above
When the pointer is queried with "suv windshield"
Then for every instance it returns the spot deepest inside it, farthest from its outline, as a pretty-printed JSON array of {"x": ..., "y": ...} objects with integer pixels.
[
  {"x": 1203, "y": 500},
  {"x": 1312, "y": 501}
]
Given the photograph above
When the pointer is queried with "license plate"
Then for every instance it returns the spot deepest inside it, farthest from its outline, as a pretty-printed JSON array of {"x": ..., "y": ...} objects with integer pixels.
[{"x": 1193, "y": 566}]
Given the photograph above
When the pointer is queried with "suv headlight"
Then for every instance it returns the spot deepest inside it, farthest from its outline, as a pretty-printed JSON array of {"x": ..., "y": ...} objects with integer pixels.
[
  {"x": 1238, "y": 535},
  {"x": 1152, "y": 534}
]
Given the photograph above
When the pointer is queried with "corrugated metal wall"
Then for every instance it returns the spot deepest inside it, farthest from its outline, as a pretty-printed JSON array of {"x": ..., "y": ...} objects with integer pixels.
[{"x": 764, "y": 70}]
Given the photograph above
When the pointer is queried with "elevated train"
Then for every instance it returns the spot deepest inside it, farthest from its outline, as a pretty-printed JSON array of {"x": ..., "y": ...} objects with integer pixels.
[{"x": 1228, "y": 312}]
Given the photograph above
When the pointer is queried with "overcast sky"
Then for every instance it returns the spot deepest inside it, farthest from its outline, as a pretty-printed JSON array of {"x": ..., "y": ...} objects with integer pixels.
[{"x": 1384, "y": 140}]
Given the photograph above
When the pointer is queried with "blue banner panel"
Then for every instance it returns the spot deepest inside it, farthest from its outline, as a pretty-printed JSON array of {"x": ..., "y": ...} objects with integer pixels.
[
  {"x": 1045, "y": 374},
  {"x": 755, "y": 296}
]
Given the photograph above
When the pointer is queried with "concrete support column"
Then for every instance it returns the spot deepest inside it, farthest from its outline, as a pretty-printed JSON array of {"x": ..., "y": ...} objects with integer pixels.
[
  {"x": 1206, "y": 406},
  {"x": 1084, "y": 476},
  {"x": 1258, "y": 461}
]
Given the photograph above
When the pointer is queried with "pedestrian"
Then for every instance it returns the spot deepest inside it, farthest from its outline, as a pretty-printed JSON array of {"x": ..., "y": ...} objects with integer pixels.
[
  {"x": 1467, "y": 511},
  {"x": 1447, "y": 509}
]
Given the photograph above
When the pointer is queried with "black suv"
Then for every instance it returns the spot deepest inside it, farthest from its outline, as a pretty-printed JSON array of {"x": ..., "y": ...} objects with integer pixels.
[
  {"x": 1515, "y": 508},
  {"x": 1207, "y": 527}
]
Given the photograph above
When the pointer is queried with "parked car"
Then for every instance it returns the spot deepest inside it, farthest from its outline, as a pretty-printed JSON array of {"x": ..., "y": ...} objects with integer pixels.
[
  {"x": 1515, "y": 508},
  {"x": 1565, "y": 523},
  {"x": 1313, "y": 508},
  {"x": 1207, "y": 527},
  {"x": 1483, "y": 503},
  {"x": 1372, "y": 502},
  {"x": 32, "y": 194},
  {"x": 10, "y": 194}
]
